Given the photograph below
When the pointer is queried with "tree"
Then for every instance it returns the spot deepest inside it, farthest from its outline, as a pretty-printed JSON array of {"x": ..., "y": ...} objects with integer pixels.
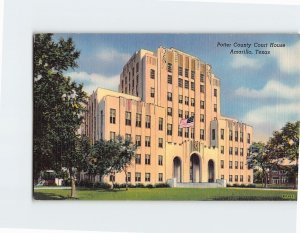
[
  {"x": 58, "y": 104},
  {"x": 113, "y": 156},
  {"x": 284, "y": 146},
  {"x": 260, "y": 158}
]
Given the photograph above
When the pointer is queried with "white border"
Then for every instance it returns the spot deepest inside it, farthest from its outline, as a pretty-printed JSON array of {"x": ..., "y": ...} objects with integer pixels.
[{"x": 22, "y": 18}]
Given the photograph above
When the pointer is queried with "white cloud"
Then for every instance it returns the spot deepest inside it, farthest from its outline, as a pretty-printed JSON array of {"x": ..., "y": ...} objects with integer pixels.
[
  {"x": 109, "y": 55},
  {"x": 288, "y": 58},
  {"x": 92, "y": 81},
  {"x": 242, "y": 61},
  {"x": 266, "y": 119},
  {"x": 272, "y": 89}
]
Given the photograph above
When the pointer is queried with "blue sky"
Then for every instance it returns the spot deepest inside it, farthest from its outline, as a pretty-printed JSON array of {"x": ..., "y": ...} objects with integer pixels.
[{"x": 261, "y": 90}]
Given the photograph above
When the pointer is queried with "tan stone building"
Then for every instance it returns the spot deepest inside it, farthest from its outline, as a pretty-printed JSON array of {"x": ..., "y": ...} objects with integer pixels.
[{"x": 157, "y": 90}]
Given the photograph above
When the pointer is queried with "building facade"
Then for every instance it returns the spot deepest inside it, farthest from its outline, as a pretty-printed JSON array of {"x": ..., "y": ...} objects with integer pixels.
[{"x": 156, "y": 91}]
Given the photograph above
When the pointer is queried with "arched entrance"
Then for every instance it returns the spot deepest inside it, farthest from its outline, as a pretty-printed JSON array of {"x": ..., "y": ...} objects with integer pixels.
[
  {"x": 194, "y": 168},
  {"x": 177, "y": 169},
  {"x": 211, "y": 171}
]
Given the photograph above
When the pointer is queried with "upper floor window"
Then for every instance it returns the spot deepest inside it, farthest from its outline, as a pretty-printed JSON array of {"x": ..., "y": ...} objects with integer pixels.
[
  {"x": 192, "y": 86},
  {"x": 202, "y": 78},
  {"x": 160, "y": 160},
  {"x": 180, "y": 113},
  {"x": 127, "y": 118},
  {"x": 202, "y": 88},
  {"x": 147, "y": 159},
  {"x": 138, "y": 122},
  {"x": 213, "y": 134},
  {"x": 152, "y": 93},
  {"x": 186, "y": 73},
  {"x": 193, "y": 102},
  {"x": 180, "y": 99},
  {"x": 169, "y": 67},
  {"x": 169, "y": 111},
  {"x": 186, "y": 100},
  {"x": 160, "y": 123},
  {"x": 180, "y": 70},
  {"x": 138, "y": 140},
  {"x": 180, "y": 82},
  {"x": 160, "y": 142},
  {"x": 202, "y": 104},
  {"x": 186, "y": 84},
  {"x": 222, "y": 134},
  {"x": 170, "y": 79},
  {"x": 148, "y": 121},
  {"x": 215, "y": 92},
  {"x": 152, "y": 73},
  {"x": 112, "y": 118},
  {"x": 201, "y": 117},
  {"x": 147, "y": 141},
  {"x": 202, "y": 134},
  {"x": 169, "y": 96},
  {"x": 193, "y": 74},
  {"x": 169, "y": 129}
]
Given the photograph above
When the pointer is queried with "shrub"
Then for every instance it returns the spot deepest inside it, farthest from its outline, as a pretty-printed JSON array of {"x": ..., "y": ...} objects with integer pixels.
[
  {"x": 242, "y": 185},
  {"x": 251, "y": 186},
  {"x": 140, "y": 185},
  {"x": 102, "y": 185},
  {"x": 149, "y": 186},
  {"x": 162, "y": 185},
  {"x": 235, "y": 185},
  {"x": 228, "y": 185}
]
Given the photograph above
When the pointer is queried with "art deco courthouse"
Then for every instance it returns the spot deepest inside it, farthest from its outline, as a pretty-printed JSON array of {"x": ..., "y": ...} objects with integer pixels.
[{"x": 157, "y": 90}]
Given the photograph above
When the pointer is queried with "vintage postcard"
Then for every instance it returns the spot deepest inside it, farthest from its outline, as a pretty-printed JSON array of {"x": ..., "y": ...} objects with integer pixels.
[{"x": 166, "y": 116}]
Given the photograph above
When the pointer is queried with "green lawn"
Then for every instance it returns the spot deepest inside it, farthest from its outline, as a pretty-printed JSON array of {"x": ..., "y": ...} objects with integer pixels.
[{"x": 178, "y": 194}]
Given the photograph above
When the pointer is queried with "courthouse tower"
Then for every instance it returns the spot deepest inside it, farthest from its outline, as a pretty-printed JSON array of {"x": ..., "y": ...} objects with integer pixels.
[{"x": 156, "y": 91}]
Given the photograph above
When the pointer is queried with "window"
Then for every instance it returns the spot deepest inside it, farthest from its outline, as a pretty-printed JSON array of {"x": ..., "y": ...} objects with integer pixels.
[
  {"x": 169, "y": 96},
  {"x": 236, "y": 165},
  {"x": 193, "y": 74},
  {"x": 147, "y": 177},
  {"x": 112, "y": 135},
  {"x": 215, "y": 108},
  {"x": 193, "y": 114},
  {"x": 148, "y": 159},
  {"x": 180, "y": 70},
  {"x": 236, "y": 151},
  {"x": 152, "y": 73},
  {"x": 236, "y": 136},
  {"x": 180, "y": 82},
  {"x": 241, "y": 136},
  {"x": 137, "y": 67},
  {"x": 112, "y": 178},
  {"x": 170, "y": 79},
  {"x": 201, "y": 117},
  {"x": 222, "y": 164},
  {"x": 128, "y": 177},
  {"x": 236, "y": 178},
  {"x": 202, "y": 88},
  {"x": 186, "y": 73},
  {"x": 128, "y": 118},
  {"x": 186, "y": 133},
  {"x": 230, "y": 164},
  {"x": 186, "y": 84},
  {"x": 241, "y": 151},
  {"x": 202, "y": 78},
  {"x": 193, "y": 133},
  {"x": 202, "y": 104},
  {"x": 215, "y": 92},
  {"x": 241, "y": 165},
  {"x": 180, "y": 99},
  {"x": 160, "y": 177},
  {"x": 169, "y": 113},
  {"x": 186, "y": 100},
  {"x": 160, "y": 142},
  {"x": 152, "y": 92},
  {"x": 193, "y": 102},
  {"x": 137, "y": 177},
  {"x": 230, "y": 178},
  {"x": 138, "y": 140},
  {"x": 230, "y": 135},
  {"x": 169, "y": 129},
  {"x": 160, "y": 160},
  {"x": 160, "y": 123},
  {"x": 249, "y": 178},
  {"x": 148, "y": 122},
  {"x": 179, "y": 132},
  {"x": 213, "y": 134},
  {"x": 137, "y": 159},
  {"x": 222, "y": 177},
  {"x": 202, "y": 134},
  {"x": 128, "y": 137},
  {"x": 169, "y": 67},
  {"x": 112, "y": 118},
  {"x": 230, "y": 150},
  {"x": 138, "y": 120},
  {"x": 248, "y": 138},
  {"x": 222, "y": 134},
  {"x": 241, "y": 178},
  {"x": 186, "y": 114},
  {"x": 222, "y": 149},
  {"x": 147, "y": 141},
  {"x": 180, "y": 113},
  {"x": 192, "y": 86}
]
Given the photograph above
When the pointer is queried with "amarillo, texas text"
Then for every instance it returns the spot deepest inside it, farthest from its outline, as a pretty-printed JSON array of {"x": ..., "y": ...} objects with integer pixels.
[{"x": 250, "y": 48}]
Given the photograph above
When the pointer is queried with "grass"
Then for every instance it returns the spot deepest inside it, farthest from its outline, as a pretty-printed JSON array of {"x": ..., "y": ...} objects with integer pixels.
[{"x": 169, "y": 194}]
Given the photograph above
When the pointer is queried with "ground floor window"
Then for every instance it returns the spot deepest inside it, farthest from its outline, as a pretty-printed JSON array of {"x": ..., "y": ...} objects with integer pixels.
[
  {"x": 160, "y": 177},
  {"x": 230, "y": 178},
  {"x": 112, "y": 178},
  {"x": 128, "y": 177},
  {"x": 137, "y": 177},
  {"x": 147, "y": 177}
]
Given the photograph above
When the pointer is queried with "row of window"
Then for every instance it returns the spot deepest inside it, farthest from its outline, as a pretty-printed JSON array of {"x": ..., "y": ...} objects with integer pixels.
[
  {"x": 138, "y": 159},
  {"x": 222, "y": 132},
  {"x": 236, "y": 178},
  {"x": 138, "y": 177},
  {"x": 186, "y": 72},
  {"x": 236, "y": 165}
]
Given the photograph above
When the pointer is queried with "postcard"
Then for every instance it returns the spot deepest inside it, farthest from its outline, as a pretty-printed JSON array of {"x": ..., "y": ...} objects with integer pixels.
[{"x": 166, "y": 116}]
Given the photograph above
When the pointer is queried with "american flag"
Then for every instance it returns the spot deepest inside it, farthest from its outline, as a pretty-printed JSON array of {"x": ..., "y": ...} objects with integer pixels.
[{"x": 184, "y": 123}]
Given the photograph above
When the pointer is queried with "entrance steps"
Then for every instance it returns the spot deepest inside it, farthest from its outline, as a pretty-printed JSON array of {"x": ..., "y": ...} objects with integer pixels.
[{"x": 218, "y": 184}]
